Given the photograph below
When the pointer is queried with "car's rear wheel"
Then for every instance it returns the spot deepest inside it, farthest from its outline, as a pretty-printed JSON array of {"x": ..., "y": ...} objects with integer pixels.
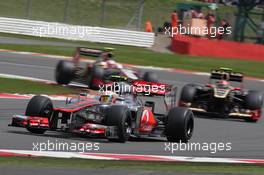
[
  {"x": 180, "y": 124},
  {"x": 188, "y": 93},
  {"x": 39, "y": 106},
  {"x": 65, "y": 71},
  {"x": 96, "y": 72},
  {"x": 119, "y": 117}
]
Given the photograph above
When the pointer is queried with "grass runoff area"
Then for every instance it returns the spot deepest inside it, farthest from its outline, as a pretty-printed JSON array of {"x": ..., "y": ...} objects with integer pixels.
[
  {"x": 9, "y": 85},
  {"x": 89, "y": 12},
  {"x": 142, "y": 56},
  {"x": 137, "y": 166}
]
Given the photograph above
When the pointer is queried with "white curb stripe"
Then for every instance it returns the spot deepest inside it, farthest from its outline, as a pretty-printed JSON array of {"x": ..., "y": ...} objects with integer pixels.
[
  {"x": 110, "y": 156},
  {"x": 29, "y": 96},
  {"x": 55, "y": 154}
]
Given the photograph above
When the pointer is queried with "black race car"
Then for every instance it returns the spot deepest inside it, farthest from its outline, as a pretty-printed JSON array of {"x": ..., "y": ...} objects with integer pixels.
[{"x": 220, "y": 98}]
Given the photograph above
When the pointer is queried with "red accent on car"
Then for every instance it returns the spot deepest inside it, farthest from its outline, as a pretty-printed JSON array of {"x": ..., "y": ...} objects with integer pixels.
[
  {"x": 237, "y": 89},
  {"x": 141, "y": 86},
  {"x": 147, "y": 122},
  {"x": 256, "y": 115},
  {"x": 224, "y": 82},
  {"x": 210, "y": 85},
  {"x": 92, "y": 128},
  {"x": 38, "y": 122}
]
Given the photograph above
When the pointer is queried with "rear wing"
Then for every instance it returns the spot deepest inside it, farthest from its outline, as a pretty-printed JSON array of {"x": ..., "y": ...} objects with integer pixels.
[
  {"x": 151, "y": 89},
  {"x": 85, "y": 51},
  {"x": 142, "y": 87},
  {"x": 226, "y": 74},
  {"x": 145, "y": 88}
]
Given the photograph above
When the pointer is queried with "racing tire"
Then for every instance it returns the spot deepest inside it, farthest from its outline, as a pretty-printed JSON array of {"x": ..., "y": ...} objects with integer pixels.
[
  {"x": 180, "y": 125},
  {"x": 254, "y": 100},
  {"x": 39, "y": 106},
  {"x": 65, "y": 71},
  {"x": 150, "y": 77},
  {"x": 119, "y": 116},
  {"x": 188, "y": 93},
  {"x": 95, "y": 73}
]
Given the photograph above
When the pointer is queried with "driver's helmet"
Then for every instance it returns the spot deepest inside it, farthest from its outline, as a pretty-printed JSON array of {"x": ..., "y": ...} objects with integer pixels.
[
  {"x": 222, "y": 84},
  {"x": 108, "y": 97}
]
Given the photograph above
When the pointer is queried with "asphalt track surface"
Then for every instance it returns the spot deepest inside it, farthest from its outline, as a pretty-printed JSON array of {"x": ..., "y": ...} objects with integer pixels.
[{"x": 247, "y": 139}]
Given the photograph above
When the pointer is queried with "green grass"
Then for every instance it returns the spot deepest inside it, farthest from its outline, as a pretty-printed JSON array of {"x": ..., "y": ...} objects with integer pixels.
[
  {"x": 9, "y": 85},
  {"x": 138, "y": 166},
  {"x": 88, "y": 12},
  {"x": 118, "y": 13},
  {"x": 141, "y": 56}
]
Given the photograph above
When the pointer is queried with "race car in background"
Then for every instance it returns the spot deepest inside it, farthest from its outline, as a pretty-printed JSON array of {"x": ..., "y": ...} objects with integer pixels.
[
  {"x": 113, "y": 116},
  {"x": 220, "y": 98},
  {"x": 95, "y": 74}
]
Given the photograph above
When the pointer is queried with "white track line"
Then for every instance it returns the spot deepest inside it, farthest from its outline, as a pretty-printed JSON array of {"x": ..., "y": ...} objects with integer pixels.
[
  {"x": 26, "y": 65},
  {"x": 110, "y": 156},
  {"x": 24, "y": 78}
]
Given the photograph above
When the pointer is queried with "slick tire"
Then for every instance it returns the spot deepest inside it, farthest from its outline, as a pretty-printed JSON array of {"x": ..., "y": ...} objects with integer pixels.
[
  {"x": 150, "y": 77},
  {"x": 180, "y": 125},
  {"x": 254, "y": 100},
  {"x": 65, "y": 71},
  {"x": 39, "y": 106},
  {"x": 188, "y": 93},
  {"x": 95, "y": 73},
  {"x": 119, "y": 116}
]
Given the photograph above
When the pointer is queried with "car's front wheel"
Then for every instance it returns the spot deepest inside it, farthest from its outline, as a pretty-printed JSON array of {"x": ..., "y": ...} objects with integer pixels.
[
  {"x": 119, "y": 116},
  {"x": 39, "y": 106}
]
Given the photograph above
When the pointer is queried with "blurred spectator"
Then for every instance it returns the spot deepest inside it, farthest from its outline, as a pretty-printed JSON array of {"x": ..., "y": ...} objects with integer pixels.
[
  {"x": 148, "y": 26},
  {"x": 166, "y": 26},
  {"x": 210, "y": 22},
  {"x": 197, "y": 13},
  {"x": 225, "y": 2},
  {"x": 225, "y": 25},
  {"x": 174, "y": 20}
]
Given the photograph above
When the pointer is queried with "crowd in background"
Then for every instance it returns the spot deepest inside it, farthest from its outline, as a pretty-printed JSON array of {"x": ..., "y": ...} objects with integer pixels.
[{"x": 225, "y": 2}]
